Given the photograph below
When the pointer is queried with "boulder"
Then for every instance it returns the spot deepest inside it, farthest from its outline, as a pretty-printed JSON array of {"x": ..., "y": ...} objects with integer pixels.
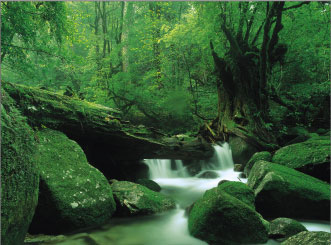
[
  {"x": 222, "y": 182},
  {"x": 150, "y": 184},
  {"x": 243, "y": 176},
  {"x": 240, "y": 191},
  {"x": 309, "y": 237},
  {"x": 284, "y": 228},
  {"x": 311, "y": 157},
  {"x": 284, "y": 192},
  {"x": 193, "y": 167},
  {"x": 73, "y": 194},
  {"x": 134, "y": 199},
  {"x": 241, "y": 150},
  {"x": 208, "y": 175},
  {"x": 237, "y": 168},
  {"x": 220, "y": 218},
  {"x": 19, "y": 174},
  {"x": 263, "y": 155}
]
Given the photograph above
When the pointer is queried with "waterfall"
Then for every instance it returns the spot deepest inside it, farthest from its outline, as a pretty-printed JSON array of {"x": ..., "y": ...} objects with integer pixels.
[
  {"x": 222, "y": 159},
  {"x": 162, "y": 168},
  {"x": 165, "y": 168}
]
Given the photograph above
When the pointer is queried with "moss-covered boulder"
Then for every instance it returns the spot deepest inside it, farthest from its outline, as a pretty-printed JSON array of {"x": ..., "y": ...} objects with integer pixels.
[
  {"x": 281, "y": 228},
  {"x": 19, "y": 176},
  {"x": 311, "y": 157},
  {"x": 220, "y": 218},
  {"x": 284, "y": 192},
  {"x": 241, "y": 150},
  {"x": 134, "y": 199},
  {"x": 73, "y": 194},
  {"x": 309, "y": 237},
  {"x": 263, "y": 155},
  {"x": 240, "y": 191},
  {"x": 150, "y": 184}
]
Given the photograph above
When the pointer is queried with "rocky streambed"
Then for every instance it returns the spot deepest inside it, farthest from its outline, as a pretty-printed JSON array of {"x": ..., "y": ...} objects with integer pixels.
[{"x": 51, "y": 194}]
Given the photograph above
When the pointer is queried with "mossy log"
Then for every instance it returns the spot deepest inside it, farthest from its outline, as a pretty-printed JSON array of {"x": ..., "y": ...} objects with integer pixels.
[{"x": 105, "y": 138}]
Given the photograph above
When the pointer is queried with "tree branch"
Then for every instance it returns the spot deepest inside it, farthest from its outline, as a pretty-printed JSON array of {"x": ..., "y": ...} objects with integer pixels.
[{"x": 297, "y": 6}]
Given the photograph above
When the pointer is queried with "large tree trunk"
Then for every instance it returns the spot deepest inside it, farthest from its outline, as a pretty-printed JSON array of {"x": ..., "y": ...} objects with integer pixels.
[{"x": 242, "y": 78}]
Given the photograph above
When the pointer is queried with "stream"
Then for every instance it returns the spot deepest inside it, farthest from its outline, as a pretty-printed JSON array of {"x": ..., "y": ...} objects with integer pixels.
[{"x": 170, "y": 228}]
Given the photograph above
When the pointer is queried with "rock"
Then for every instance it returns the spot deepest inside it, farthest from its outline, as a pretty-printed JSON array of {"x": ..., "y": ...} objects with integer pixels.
[
  {"x": 242, "y": 175},
  {"x": 241, "y": 150},
  {"x": 193, "y": 168},
  {"x": 112, "y": 181},
  {"x": 188, "y": 210},
  {"x": 238, "y": 168},
  {"x": 311, "y": 157},
  {"x": 240, "y": 191},
  {"x": 73, "y": 194},
  {"x": 19, "y": 174},
  {"x": 298, "y": 139},
  {"x": 220, "y": 218},
  {"x": 135, "y": 199},
  {"x": 262, "y": 155},
  {"x": 222, "y": 182},
  {"x": 284, "y": 228},
  {"x": 150, "y": 184},
  {"x": 309, "y": 237},
  {"x": 208, "y": 174},
  {"x": 284, "y": 192}
]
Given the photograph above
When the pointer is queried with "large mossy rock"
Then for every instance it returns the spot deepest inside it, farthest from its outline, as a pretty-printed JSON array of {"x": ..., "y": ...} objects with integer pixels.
[
  {"x": 150, "y": 184},
  {"x": 309, "y": 238},
  {"x": 311, "y": 157},
  {"x": 241, "y": 150},
  {"x": 73, "y": 194},
  {"x": 19, "y": 175},
  {"x": 281, "y": 228},
  {"x": 134, "y": 199},
  {"x": 284, "y": 192},
  {"x": 221, "y": 218},
  {"x": 263, "y": 155},
  {"x": 240, "y": 191}
]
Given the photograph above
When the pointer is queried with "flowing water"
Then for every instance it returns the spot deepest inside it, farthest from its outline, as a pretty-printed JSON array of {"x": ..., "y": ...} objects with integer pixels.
[{"x": 170, "y": 228}]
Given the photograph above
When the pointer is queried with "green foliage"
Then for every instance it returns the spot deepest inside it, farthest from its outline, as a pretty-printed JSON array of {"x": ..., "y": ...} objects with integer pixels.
[{"x": 152, "y": 60}]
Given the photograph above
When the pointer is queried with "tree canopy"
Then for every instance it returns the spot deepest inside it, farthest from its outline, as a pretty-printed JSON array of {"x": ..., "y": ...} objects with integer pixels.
[{"x": 253, "y": 69}]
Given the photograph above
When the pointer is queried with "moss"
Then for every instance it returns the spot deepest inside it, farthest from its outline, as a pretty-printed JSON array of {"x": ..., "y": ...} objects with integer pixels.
[
  {"x": 19, "y": 176},
  {"x": 220, "y": 218},
  {"x": 73, "y": 194},
  {"x": 263, "y": 155},
  {"x": 240, "y": 191},
  {"x": 135, "y": 199},
  {"x": 309, "y": 237},
  {"x": 313, "y": 151},
  {"x": 282, "y": 191},
  {"x": 150, "y": 184},
  {"x": 284, "y": 228}
]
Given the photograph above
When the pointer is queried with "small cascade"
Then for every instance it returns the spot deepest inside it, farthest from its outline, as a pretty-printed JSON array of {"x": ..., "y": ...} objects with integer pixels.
[
  {"x": 222, "y": 159},
  {"x": 162, "y": 168}
]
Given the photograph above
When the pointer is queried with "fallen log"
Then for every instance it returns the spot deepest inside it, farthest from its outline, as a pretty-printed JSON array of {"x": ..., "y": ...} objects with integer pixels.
[{"x": 105, "y": 138}]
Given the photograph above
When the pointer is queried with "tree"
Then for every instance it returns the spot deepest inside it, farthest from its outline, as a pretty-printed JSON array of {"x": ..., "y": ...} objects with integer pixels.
[{"x": 243, "y": 71}]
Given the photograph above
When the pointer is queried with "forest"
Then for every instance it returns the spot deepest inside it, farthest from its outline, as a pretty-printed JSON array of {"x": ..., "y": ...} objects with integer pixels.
[{"x": 122, "y": 119}]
